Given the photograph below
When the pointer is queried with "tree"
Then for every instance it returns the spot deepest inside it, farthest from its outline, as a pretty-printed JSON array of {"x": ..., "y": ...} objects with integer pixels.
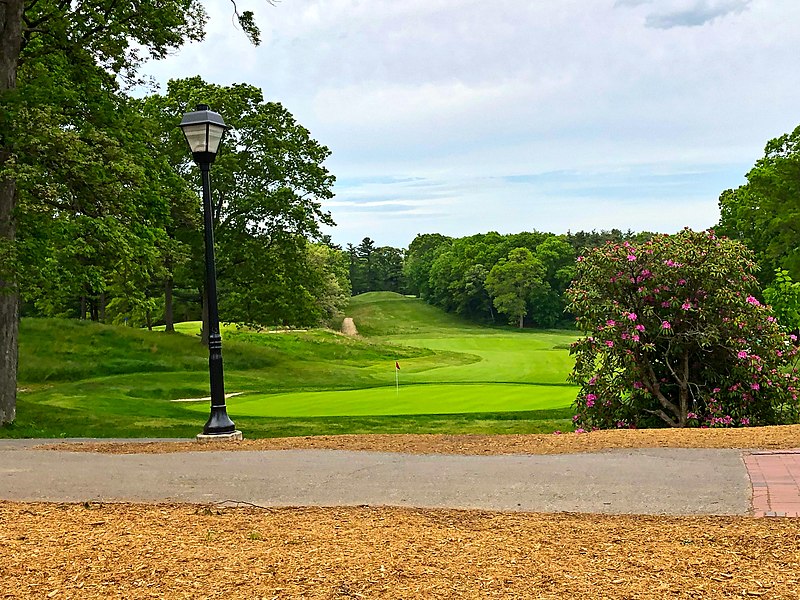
[
  {"x": 512, "y": 281},
  {"x": 387, "y": 269},
  {"x": 674, "y": 336},
  {"x": 765, "y": 212},
  {"x": 88, "y": 43},
  {"x": 548, "y": 302},
  {"x": 783, "y": 296},
  {"x": 420, "y": 256},
  {"x": 269, "y": 182}
]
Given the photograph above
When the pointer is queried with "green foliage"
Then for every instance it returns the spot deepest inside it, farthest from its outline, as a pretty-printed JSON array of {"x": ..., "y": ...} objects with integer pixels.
[
  {"x": 375, "y": 269},
  {"x": 452, "y": 274},
  {"x": 420, "y": 256},
  {"x": 783, "y": 296},
  {"x": 512, "y": 282},
  {"x": 765, "y": 211},
  {"x": 675, "y": 337},
  {"x": 268, "y": 185}
]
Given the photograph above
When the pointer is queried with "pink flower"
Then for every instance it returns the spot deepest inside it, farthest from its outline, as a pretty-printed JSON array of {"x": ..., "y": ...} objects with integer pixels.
[
  {"x": 637, "y": 385},
  {"x": 591, "y": 397},
  {"x": 640, "y": 327},
  {"x": 665, "y": 304},
  {"x": 745, "y": 421},
  {"x": 681, "y": 282},
  {"x": 665, "y": 325},
  {"x": 635, "y": 337},
  {"x": 610, "y": 343},
  {"x": 754, "y": 301},
  {"x": 589, "y": 403},
  {"x": 557, "y": 432},
  {"x": 580, "y": 430},
  {"x": 754, "y": 386},
  {"x": 631, "y": 257},
  {"x": 632, "y": 316},
  {"x": 686, "y": 305},
  {"x": 580, "y": 259},
  {"x": 742, "y": 354},
  {"x": 611, "y": 323}
]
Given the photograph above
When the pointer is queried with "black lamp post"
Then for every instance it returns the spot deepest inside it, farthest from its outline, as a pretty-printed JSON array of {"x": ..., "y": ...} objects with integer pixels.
[{"x": 204, "y": 129}]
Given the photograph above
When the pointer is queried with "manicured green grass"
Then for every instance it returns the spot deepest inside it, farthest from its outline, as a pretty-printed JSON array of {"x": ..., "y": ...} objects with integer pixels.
[
  {"x": 407, "y": 400},
  {"x": 83, "y": 379}
]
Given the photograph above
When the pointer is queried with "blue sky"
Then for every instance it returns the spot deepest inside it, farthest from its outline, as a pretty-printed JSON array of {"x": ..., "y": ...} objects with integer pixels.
[{"x": 465, "y": 116}]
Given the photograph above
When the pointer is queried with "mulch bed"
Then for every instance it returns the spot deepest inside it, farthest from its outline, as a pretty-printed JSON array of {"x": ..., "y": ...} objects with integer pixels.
[
  {"x": 775, "y": 438},
  {"x": 180, "y": 551},
  {"x": 177, "y": 551}
]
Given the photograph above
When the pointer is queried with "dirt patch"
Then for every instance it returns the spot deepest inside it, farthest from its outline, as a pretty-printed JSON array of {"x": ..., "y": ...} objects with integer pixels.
[
  {"x": 775, "y": 438},
  {"x": 169, "y": 551},
  {"x": 349, "y": 327}
]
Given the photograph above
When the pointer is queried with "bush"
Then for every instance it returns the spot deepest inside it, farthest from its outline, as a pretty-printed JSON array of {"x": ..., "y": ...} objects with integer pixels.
[{"x": 674, "y": 336}]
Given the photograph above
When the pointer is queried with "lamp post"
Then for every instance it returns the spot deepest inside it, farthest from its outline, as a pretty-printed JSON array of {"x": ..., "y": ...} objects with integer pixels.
[{"x": 204, "y": 129}]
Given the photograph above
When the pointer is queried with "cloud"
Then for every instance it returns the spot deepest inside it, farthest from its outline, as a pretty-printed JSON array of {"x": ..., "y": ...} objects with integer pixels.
[
  {"x": 666, "y": 14},
  {"x": 513, "y": 115}
]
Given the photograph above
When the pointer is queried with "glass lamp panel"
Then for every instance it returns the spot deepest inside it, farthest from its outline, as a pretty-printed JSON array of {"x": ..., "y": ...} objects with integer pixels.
[
  {"x": 215, "y": 133},
  {"x": 196, "y": 137}
]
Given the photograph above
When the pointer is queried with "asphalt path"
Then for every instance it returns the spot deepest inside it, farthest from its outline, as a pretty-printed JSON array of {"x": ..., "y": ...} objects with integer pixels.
[{"x": 646, "y": 481}]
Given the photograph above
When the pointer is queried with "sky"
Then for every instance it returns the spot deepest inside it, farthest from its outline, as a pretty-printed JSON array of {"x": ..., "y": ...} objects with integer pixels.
[{"x": 467, "y": 116}]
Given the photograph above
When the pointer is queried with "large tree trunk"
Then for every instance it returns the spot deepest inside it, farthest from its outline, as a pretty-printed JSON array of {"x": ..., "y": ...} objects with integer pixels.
[
  {"x": 9, "y": 313},
  {"x": 168, "y": 316},
  {"x": 10, "y": 44}
]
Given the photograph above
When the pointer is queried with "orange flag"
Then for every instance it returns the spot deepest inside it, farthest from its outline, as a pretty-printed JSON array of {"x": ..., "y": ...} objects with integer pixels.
[{"x": 397, "y": 365}]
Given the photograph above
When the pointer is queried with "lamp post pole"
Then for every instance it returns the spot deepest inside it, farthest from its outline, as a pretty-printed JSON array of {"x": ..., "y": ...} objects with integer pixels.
[
  {"x": 218, "y": 422},
  {"x": 204, "y": 130}
]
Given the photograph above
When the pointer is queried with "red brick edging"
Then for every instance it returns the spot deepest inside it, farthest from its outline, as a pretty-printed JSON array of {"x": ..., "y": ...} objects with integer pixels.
[{"x": 775, "y": 477}]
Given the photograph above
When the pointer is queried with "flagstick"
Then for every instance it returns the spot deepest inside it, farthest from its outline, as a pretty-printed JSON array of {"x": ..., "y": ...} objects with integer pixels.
[{"x": 397, "y": 380}]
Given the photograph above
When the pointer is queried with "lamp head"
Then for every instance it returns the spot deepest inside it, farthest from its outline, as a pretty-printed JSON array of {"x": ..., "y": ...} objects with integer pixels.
[{"x": 203, "y": 129}]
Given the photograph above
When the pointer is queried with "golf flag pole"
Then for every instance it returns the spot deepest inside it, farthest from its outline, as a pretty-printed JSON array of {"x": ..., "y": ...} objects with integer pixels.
[{"x": 397, "y": 376}]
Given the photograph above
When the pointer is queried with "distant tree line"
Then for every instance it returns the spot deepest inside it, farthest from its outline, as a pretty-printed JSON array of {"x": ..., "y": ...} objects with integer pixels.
[{"x": 518, "y": 278}]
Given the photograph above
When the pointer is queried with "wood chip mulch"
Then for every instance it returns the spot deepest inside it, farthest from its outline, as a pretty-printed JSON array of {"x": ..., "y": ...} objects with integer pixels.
[
  {"x": 774, "y": 438},
  {"x": 92, "y": 551}
]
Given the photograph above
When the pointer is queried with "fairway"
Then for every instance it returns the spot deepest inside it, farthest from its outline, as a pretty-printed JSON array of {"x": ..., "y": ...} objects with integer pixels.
[
  {"x": 408, "y": 400},
  {"x": 498, "y": 370}
]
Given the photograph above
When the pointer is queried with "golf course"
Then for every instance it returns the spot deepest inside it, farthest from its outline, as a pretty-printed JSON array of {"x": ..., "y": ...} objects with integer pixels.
[{"x": 81, "y": 379}]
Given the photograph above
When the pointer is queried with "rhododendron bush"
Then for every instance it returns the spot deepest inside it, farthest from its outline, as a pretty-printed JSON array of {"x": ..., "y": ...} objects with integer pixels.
[{"x": 674, "y": 336}]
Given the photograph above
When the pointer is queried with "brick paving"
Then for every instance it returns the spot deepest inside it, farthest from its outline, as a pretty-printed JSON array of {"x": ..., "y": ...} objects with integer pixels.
[{"x": 775, "y": 477}]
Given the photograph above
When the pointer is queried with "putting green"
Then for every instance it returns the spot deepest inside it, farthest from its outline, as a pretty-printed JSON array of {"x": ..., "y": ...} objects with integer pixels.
[{"x": 409, "y": 400}]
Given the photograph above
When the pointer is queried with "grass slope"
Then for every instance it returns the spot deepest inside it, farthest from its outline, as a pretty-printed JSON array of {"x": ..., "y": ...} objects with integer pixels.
[{"x": 85, "y": 379}]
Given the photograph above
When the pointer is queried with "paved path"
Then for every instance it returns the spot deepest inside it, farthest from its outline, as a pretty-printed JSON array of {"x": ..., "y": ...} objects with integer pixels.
[{"x": 652, "y": 481}]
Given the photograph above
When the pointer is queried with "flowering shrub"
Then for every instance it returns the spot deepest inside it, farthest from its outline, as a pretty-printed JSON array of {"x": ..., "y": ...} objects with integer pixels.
[{"x": 674, "y": 336}]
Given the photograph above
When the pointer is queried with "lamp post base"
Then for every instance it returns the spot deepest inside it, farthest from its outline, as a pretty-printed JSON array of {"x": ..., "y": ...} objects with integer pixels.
[{"x": 234, "y": 436}]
